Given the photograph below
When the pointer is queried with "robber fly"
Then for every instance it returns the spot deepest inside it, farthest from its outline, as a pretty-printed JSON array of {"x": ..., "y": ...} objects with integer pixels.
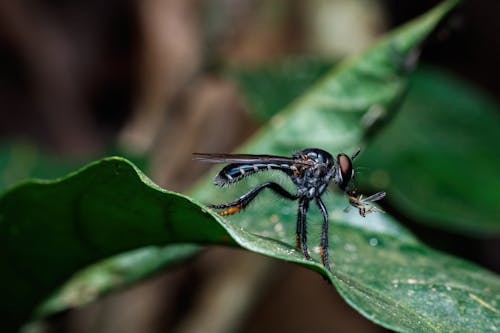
[{"x": 311, "y": 170}]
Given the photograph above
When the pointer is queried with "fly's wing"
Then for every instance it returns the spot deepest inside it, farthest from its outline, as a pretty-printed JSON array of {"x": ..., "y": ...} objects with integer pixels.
[
  {"x": 375, "y": 197},
  {"x": 242, "y": 165},
  {"x": 241, "y": 158}
]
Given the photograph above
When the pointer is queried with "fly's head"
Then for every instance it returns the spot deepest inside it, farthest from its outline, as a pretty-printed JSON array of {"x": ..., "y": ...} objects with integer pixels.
[
  {"x": 344, "y": 174},
  {"x": 344, "y": 170}
]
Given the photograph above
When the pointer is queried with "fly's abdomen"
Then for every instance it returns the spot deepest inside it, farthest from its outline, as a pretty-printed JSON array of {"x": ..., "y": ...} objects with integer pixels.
[{"x": 235, "y": 172}]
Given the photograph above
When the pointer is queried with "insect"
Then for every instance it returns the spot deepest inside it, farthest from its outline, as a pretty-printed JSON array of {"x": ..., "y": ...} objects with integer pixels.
[
  {"x": 364, "y": 205},
  {"x": 311, "y": 171}
]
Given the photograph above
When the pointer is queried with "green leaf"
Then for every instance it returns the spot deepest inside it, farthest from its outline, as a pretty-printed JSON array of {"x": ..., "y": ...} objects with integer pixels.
[
  {"x": 113, "y": 273},
  {"x": 439, "y": 158},
  {"x": 338, "y": 111},
  {"x": 51, "y": 229},
  {"x": 271, "y": 87},
  {"x": 380, "y": 268},
  {"x": 20, "y": 160}
]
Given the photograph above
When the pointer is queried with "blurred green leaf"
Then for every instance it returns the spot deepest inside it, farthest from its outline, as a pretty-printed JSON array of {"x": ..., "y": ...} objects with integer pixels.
[
  {"x": 51, "y": 229},
  {"x": 271, "y": 87},
  {"x": 350, "y": 100},
  {"x": 21, "y": 160},
  {"x": 113, "y": 273},
  {"x": 439, "y": 158}
]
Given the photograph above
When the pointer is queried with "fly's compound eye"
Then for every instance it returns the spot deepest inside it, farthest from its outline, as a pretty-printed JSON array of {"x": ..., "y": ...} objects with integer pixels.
[{"x": 346, "y": 171}]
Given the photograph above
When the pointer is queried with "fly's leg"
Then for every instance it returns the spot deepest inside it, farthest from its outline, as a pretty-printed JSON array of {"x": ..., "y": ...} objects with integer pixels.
[
  {"x": 243, "y": 201},
  {"x": 298, "y": 234},
  {"x": 324, "y": 233},
  {"x": 302, "y": 227}
]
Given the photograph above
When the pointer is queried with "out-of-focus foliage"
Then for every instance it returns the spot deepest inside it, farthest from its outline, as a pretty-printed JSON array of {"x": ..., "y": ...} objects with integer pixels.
[
  {"x": 271, "y": 87},
  {"x": 114, "y": 273},
  {"x": 19, "y": 161},
  {"x": 23, "y": 160},
  {"x": 439, "y": 158}
]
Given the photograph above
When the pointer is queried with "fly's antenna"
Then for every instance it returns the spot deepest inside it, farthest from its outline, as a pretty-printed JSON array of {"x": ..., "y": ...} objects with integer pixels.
[{"x": 356, "y": 153}]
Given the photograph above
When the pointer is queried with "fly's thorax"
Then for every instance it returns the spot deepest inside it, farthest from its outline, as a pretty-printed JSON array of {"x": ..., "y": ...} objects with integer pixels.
[
  {"x": 316, "y": 156},
  {"x": 313, "y": 180}
]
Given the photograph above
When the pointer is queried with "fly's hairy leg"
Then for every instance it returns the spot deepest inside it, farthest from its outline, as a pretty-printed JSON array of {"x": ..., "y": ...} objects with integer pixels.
[
  {"x": 302, "y": 225},
  {"x": 298, "y": 234},
  {"x": 324, "y": 233},
  {"x": 243, "y": 201}
]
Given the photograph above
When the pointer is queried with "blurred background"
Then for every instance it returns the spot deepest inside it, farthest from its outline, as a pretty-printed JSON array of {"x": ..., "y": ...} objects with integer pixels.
[{"x": 145, "y": 79}]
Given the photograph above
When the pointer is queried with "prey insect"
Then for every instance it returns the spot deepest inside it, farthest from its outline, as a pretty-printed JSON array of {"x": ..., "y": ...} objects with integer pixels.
[
  {"x": 311, "y": 171},
  {"x": 364, "y": 205}
]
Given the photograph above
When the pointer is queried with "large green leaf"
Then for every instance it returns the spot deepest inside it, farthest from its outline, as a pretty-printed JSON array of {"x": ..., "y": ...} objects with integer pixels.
[
  {"x": 381, "y": 269},
  {"x": 50, "y": 229},
  {"x": 269, "y": 88},
  {"x": 439, "y": 157}
]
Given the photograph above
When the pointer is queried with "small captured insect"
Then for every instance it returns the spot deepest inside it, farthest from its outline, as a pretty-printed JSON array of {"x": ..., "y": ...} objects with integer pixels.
[
  {"x": 364, "y": 205},
  {"x": 311, "y": 171}
]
